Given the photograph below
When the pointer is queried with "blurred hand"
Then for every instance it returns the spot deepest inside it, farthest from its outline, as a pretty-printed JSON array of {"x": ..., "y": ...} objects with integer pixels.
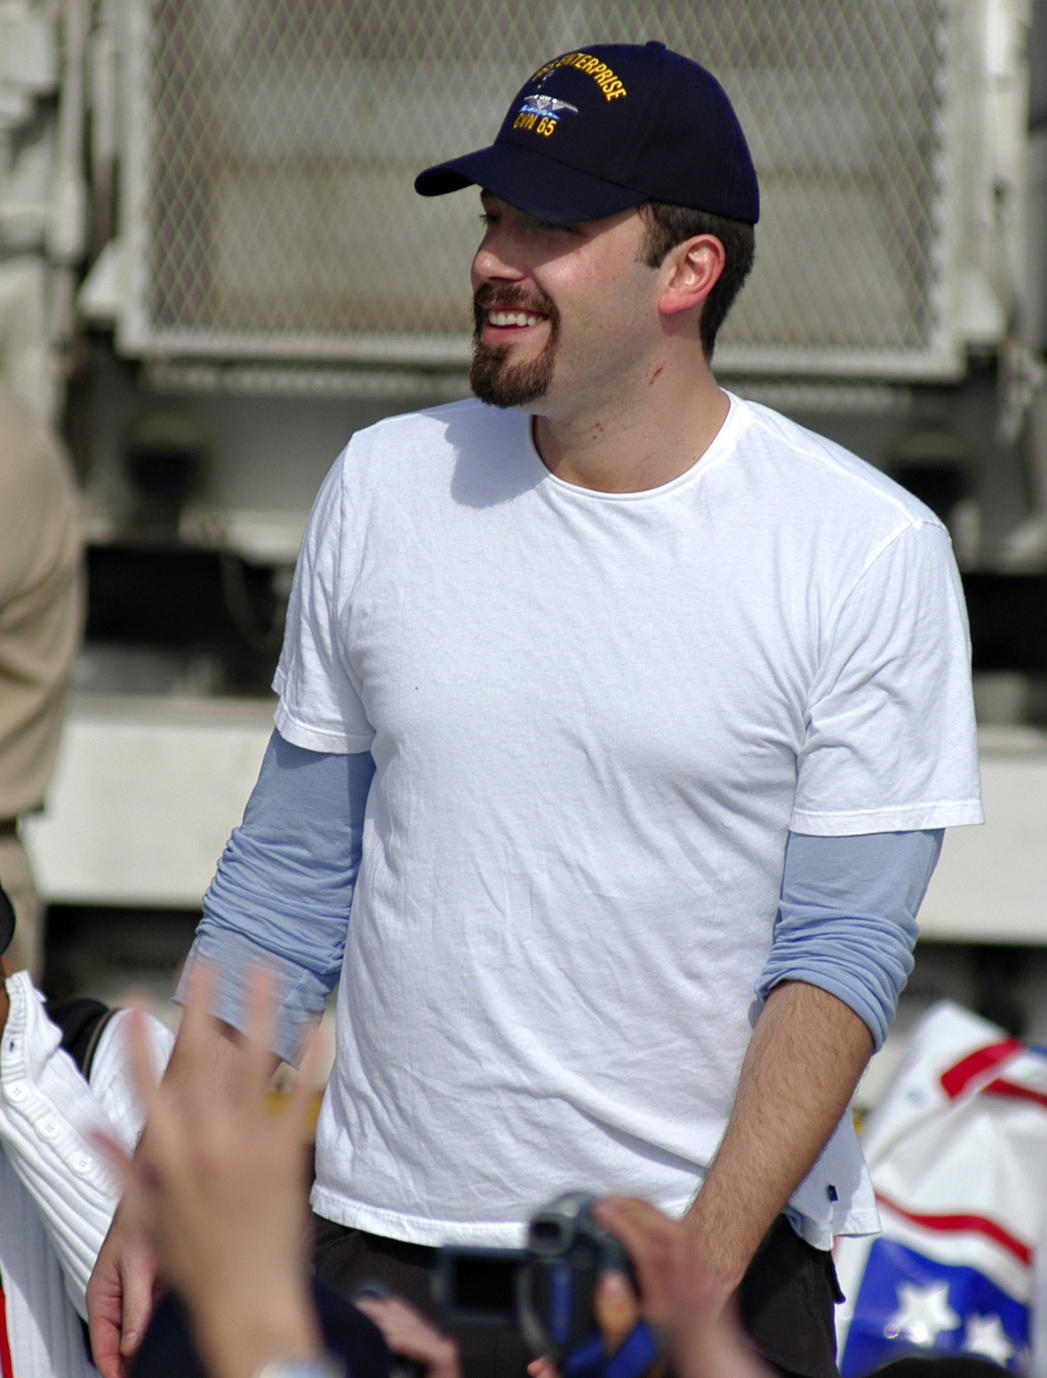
[
  {"x": 409, "y": 1334},
  {"x": 218, "y": 1188},
  {"x": 678, "y": 1297}
]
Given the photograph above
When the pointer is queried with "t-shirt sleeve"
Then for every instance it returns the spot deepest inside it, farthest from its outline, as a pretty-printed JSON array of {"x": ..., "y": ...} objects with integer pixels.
[
  {"x": 320, "y": 707},
  {"x": 890, "y": 742}
]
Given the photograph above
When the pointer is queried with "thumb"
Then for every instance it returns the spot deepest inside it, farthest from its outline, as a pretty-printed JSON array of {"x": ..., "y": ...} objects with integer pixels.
[{"x": 139, "y": 1282}]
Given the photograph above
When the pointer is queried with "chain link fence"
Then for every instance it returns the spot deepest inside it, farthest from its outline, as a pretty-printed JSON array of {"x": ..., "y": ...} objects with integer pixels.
[{"x": 271, "y": 148}]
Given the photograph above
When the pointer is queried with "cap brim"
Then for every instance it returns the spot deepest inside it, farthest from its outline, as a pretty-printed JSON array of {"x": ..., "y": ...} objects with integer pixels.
[{"x": 531, "y": 182}]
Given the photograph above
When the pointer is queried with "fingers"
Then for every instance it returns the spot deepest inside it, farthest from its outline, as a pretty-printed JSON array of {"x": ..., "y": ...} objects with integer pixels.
[
  {"x": 678, "y": 1295},
  {"x": 104, "y": 1307},
  {"x": 119, "y": 1303},
  {"x": 408, "y": 1333},
  {"x": 139, "y": 1282},
  {"x": 164, "y": 1127},
  {"x": 639, "y": 1219},
  {"x": 260, "y": 1014},
  {"x": 651, "y": 1241},
  {"x": 115, "y": 1152},
  {"x": 542, "y": 1368},
  {"x": 664, "y": 1254},
  {"x": 105, "y": 1347},
  {"x": 300, "y": 1101},
  {"x": 200, "y": 1088},
  {"x": 140, "y": 1059}
]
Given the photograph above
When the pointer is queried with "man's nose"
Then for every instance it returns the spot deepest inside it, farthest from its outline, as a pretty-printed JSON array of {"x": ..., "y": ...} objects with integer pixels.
[{"x": 495, "y": 262}]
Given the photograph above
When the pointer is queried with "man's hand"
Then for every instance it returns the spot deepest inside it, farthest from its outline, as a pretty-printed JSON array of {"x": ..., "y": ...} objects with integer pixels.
[
  {"x": 804, "y": 1060},
  {"x": 123, "y": 1290}
]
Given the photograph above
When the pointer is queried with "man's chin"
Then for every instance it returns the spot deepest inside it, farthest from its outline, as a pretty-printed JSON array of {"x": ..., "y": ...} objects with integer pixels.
[{"x": 501, "y": 384}]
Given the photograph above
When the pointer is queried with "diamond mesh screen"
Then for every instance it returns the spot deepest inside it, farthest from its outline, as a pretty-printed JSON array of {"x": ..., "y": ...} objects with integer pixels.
[{"x": 272, "y": 146}]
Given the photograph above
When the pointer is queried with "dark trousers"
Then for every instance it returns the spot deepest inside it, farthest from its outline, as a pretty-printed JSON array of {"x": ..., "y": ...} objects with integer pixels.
[{"x": 787, "y": 1298}]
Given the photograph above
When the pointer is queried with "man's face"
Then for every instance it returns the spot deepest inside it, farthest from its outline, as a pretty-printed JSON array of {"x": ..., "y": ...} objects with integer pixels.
[{"x": 560, "y": 310}]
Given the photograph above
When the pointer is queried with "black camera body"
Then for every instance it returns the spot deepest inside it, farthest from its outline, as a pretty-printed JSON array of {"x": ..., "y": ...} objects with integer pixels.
[{"x": 546, "y": 1289}]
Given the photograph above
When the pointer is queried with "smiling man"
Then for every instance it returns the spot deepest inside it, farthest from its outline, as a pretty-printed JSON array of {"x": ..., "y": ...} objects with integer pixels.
[{"x": 625, "y": 716}]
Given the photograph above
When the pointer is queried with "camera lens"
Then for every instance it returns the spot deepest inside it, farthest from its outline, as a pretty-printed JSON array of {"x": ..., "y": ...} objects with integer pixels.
[{"x": 548, "y": 1231}]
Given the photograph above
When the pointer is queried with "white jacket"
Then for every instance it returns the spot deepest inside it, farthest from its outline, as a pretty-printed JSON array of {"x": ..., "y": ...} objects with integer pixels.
[{"x": 57, "y": 1191}]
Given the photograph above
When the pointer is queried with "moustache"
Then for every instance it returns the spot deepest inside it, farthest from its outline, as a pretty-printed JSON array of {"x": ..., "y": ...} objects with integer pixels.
[{"x": 510, "y": 298}]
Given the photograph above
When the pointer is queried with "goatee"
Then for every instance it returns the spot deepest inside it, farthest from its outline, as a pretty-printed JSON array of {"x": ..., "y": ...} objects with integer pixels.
[{"x": 492, "y": 378}]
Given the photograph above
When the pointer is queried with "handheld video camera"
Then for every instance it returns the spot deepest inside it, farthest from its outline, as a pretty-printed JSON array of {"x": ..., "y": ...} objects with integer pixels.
[{"x": 546, "y": 1289}]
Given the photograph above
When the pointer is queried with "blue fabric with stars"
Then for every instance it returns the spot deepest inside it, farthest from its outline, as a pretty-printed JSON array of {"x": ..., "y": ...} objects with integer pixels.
[{"x": 912, "y": 1305}]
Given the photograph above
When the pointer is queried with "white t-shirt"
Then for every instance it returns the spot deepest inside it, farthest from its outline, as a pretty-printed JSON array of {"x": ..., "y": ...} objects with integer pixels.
[{"x": 595, "y": 718}]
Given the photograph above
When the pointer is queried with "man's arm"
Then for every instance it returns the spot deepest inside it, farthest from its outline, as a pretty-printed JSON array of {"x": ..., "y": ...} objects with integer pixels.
[
  {"x": 804, "y": 1060},
  {"x": 284, "y": 886},
  {"x": 281, "y": 898},
  {"x": 841, "y": 953}
]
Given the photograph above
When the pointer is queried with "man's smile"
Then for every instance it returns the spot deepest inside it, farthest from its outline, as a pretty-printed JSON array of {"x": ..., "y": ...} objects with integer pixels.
[
  {"x": 502, "y": 317},
  {"x": 505, "y": 323}
]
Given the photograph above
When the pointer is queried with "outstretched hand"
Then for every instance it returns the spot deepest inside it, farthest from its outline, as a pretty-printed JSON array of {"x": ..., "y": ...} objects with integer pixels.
[{"x": 218, "y": 1189}]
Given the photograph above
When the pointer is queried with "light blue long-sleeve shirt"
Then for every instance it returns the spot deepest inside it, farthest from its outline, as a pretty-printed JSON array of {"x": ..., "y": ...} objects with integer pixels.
[{"x": 284, "y": 888}]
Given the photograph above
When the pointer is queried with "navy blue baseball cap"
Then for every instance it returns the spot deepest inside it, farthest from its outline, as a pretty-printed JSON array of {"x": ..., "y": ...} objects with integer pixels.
[{"x": 601, "y": 129}]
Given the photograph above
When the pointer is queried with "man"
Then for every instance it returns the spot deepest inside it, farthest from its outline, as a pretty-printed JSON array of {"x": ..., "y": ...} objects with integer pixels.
[
  {"x": 57, "y": 1193},
  {"x": 41, "y": 622},
  {"x": 629, "y": 700}
]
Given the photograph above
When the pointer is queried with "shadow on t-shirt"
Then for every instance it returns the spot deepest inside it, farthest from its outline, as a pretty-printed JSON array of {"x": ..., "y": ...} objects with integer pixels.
[{"x": 485, "y": 476}]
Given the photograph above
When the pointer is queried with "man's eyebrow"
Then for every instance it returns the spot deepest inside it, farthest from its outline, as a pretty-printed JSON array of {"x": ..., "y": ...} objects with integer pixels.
[{"x": 571, "y": 227}]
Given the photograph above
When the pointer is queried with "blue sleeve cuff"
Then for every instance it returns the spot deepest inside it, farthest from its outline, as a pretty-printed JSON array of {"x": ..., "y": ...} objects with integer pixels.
[
  {"x": 232, "y": 957},
  {"x": 847, "y": 918}
]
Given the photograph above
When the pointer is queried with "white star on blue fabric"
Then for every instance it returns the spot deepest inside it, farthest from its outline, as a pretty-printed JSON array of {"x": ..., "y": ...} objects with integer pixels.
[
  {"x": 985, "y": 1335},
  {"x": 923, "y": 1313}
]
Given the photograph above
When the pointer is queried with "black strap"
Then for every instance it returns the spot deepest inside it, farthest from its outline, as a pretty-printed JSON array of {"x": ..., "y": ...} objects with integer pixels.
[{"x": 82, "y": 1022}]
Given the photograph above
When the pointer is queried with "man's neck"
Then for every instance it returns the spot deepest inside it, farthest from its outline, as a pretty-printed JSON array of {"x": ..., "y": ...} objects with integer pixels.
[{"x": 639, "y": 440}]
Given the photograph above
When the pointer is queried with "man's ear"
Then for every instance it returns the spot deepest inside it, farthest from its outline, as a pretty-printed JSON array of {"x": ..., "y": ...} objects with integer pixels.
[{"x": 693, "y": 269}]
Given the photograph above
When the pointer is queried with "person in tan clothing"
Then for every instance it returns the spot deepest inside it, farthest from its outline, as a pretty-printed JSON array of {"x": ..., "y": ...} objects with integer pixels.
[{"x": 41, "y": 623}]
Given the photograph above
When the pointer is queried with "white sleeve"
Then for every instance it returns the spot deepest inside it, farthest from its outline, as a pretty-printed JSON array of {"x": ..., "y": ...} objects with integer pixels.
[
  {"x": 47, "y": 1113},
  {"x": 112, "y": 1081},
  {"x": 890, "y": 741},
  {"x": 320, "y": 707}
]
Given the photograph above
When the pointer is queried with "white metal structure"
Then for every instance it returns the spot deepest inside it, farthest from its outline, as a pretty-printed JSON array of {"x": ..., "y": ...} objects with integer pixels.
[
  {"x": 42, "y": 192},
  {"x": 269, "y": 149},
  {"x": 147, "y": 791},
  {"x": 144, "y": 797}
]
